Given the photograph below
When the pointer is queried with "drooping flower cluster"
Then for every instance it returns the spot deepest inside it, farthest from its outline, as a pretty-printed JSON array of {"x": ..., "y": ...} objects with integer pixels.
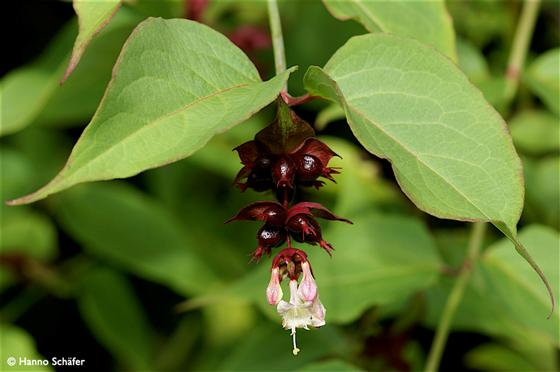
[{"x": 283, "y": 156}]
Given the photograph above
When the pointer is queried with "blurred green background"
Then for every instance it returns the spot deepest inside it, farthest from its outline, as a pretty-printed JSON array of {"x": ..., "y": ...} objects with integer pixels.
[{"x": 142, "y": 275}]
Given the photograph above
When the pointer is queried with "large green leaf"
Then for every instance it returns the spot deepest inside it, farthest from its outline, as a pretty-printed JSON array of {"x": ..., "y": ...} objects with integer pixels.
[
  {"x": 32, "y": 95},
  {"x": 449, "y": 148},
  {"x": 115, "y": 316},
  {"x": 92, "y": 17},
  {"x": 543, "y": 77},
  {"x": 124, "y": 226},
  {"x": 426, "y": 21},
  {"x": 176, "y": 84}
]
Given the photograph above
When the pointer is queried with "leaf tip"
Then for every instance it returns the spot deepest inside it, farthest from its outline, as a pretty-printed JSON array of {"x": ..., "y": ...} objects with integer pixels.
[
  {"x": 525, "y": 254},
  {"x": 20, "y": 201}
]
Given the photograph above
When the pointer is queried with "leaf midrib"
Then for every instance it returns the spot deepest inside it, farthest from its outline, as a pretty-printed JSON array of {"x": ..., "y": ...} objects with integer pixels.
[{"x": 156, "y": 120}]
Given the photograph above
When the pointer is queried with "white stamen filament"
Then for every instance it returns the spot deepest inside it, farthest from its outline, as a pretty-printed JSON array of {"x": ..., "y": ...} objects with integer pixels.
[{"x": 295, "y": 350}]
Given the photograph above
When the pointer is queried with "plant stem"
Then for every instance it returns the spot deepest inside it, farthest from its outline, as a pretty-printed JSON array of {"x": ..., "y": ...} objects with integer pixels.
[
  {"x": 521, "y": 40},
  {"x": 277, "y": 38},
  {"x": 442, "y": 332}
]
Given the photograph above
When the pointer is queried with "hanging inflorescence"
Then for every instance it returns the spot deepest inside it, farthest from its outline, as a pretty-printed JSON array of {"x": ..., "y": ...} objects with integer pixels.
[{"x": 283, "y": 156}]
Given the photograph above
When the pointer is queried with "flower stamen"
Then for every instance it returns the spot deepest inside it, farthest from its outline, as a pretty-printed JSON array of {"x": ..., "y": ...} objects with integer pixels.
[{"x": 295, "y": 350}]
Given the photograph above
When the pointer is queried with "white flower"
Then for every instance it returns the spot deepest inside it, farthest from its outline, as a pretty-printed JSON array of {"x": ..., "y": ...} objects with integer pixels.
[{"x": 300, "y": 313}]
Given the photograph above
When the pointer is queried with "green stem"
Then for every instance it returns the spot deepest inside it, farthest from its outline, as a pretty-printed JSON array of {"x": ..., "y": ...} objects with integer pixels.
[
  {"x": 520, "y": 46},
  {"x": 277, "y": 38},
  {"x": 442, "y": 332}
]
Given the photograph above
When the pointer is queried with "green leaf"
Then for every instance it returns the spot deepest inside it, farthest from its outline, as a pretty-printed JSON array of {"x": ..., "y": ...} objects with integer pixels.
[
  {"x": 115, "y": 316},
  {"x": 535, "y": 132},
  {"x": 92, "y": 17},
  {"x": 449, "y": 148},
  {"x": 503, "y": 297},
  {"x": 32, "y": 94},
  {"x": 119, "y": 224},
  {"x": 450, "y": 151},
  {"x": 18, "y": 343},
  {"x": 176, "y": 84},
  {"x": 426, "y": 21},
  {"x": 543, "y": 77}
]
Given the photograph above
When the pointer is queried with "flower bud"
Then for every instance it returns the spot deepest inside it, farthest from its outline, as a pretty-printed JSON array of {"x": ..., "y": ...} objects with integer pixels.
[
  {"x": 274, "y": 289},
  {"x": 307, "y": 289}
]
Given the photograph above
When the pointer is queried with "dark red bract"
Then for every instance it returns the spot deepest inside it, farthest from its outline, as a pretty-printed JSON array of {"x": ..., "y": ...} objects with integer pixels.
[
  {"x": 282, "y": 156},
  {"x": 264, "y": 170},
  {"x": 298, "y": 222}
]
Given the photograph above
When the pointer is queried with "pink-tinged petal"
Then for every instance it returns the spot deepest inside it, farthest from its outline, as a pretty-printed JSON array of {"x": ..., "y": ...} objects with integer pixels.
[
  {"x": 307, "y": 289},
  {"x": 318, "y": 312},
  {"x": 274, "y": 289},
  {"x": 260, "y": 211},
  {"x": 312, "y": 146},
  {"x": 283, "y": 307}
]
